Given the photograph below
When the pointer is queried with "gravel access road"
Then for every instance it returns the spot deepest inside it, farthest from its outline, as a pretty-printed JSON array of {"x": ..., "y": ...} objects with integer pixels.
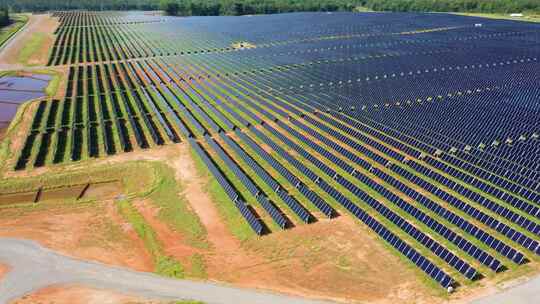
[{"x": 33, "y": 267}]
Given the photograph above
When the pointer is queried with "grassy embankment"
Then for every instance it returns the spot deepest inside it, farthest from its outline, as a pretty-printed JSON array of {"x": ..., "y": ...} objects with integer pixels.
[
  {"x": 31, "y": 47},
  {"x": 151, "y": 180},
  {"x": 54, "y": 84},
  {"x": 8, "y": 31}
]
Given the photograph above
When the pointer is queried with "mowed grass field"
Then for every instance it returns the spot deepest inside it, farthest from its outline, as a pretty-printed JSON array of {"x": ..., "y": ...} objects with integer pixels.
[{"x": 348, "y": 158}]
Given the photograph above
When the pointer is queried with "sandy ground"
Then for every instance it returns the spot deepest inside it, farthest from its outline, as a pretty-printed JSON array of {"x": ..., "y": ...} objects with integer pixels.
[{"x": 36, "y": 24}]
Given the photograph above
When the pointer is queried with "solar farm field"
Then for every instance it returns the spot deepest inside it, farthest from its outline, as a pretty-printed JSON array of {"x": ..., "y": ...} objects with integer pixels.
[{"x": 423, "y": 127}]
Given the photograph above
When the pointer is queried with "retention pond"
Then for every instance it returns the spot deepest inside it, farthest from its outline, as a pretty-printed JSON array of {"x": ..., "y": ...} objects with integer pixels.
[{"x": 16, "y": 90}]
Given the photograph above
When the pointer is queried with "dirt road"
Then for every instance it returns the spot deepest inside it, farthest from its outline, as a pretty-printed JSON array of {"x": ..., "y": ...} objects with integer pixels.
[
  {"x": 37, "y": 24},
  {"x": 34, "y": 267}
]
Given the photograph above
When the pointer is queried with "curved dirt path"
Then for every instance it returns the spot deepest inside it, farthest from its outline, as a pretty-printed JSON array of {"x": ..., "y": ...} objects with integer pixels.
[{"x": 34, "y": 267}]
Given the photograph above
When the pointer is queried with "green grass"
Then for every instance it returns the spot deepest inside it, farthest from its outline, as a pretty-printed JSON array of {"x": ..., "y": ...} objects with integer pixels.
[
  {"x": 152, "y": 180},
  {"x": 6, "y": 32},
  {"x": 226, "y": 208},
  {"x": 135, "y": 177},
  {"x": 173, "y": 208},
  {"x": 54, "y": 83},
  {"x": 164, "y": 264},
  {"x": 363, "y": 9},
  {"x": 31, "y": 47},
  {"x": 5, "y": 151},
  {"x": 198, "y": 267},
  {"x": 526, "y": 17}
]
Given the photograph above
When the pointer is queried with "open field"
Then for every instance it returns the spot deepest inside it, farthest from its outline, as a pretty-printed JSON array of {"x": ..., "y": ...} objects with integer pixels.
[
  {"x": 526, "y": 17},
  {"x": 353, "y": 157}
]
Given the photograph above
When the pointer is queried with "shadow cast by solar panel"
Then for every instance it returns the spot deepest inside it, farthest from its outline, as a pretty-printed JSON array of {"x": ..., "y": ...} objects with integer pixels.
[
  {"x": 288, "y": 223},
  {"x": 266, "y": 230},
  {"x": 477, "y": 277},
  {"x": 312, "y": 219},
  {"x": 503, "y": 268},
  {"x": 334, "y": 214}
]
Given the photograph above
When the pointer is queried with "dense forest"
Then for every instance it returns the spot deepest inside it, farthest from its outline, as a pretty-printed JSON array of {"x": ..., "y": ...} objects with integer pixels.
[
  {"x": 4, "y": 16},
  {"x": 243, "y": 7},
  {"x": 251, "y": 7}
]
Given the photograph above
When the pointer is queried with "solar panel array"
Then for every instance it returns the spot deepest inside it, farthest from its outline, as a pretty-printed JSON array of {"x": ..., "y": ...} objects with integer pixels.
[{"x": 424, "y": 127}]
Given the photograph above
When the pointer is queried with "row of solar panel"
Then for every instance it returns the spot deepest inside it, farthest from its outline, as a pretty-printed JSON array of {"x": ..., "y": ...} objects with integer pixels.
[
  {"x": 342, "y": 151},
  {"x": 472, "y": 194},
  {"x": 512, "y": 186},
  {"x": 424, "y": 264},
  {"x": 499, "y": 226},
  {"x": 512, "y": 170},
  {"x": 522, "y": 239},
  {"x": 396, "y": 200},
  {"x": 272, "y": 210},
  {"x": 462, "y": 243},
  {"x": 252, "y": 220},
  {"x": 439, "y": 250},
  {"x": 514, "y": 201},
  {"x": 300, "y": 210},
  {"x": 523, "y": 190},
  {"x": 517, "y": 258},
  {"x": 495, "y": 267},
  {"x": 310, "y": 195},
  {"x": 429, "y": 243}
]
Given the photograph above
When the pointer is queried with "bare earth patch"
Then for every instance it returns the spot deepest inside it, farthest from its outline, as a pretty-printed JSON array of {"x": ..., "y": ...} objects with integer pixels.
[
  {"x": 37, "y": 24},
  {"x": 92, "y": 232},
  {"x": 334, "y": 259},
  {"x": 77, "y": 295},
  {"x": 3, "y": 271}
]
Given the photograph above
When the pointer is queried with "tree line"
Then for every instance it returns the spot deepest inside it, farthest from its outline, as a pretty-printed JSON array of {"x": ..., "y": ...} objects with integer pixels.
[
  {"x": 190, "y": 7},
  {"x": 252, "y": 7},
  {"x": 4, "y": 16},
  {"x": 480, "y": 6},
  {"x": 244, "y": 7}
]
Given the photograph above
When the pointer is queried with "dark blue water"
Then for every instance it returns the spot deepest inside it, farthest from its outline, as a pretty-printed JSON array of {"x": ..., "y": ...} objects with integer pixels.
[{"x": 15, "y": 90}]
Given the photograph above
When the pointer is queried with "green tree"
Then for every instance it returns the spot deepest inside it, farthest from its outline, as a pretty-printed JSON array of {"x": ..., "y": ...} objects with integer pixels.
[
  {"x": 170, "y": 7},
  {"x": 4, "y": 16}
]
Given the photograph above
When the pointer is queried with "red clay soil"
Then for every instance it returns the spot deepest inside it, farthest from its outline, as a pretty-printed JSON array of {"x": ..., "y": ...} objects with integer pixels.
[
  {"x": 173, "y": 242},
  {"x": 93, "y": 232},
  {"x": 76, "y": 295},
  {"x": 3, "y": 271},
  {"x": 336, "y": 259}
]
